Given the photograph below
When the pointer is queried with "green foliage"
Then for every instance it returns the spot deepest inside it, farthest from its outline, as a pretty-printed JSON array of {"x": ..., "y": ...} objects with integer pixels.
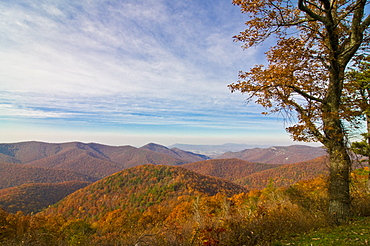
[
  {"x": 356, "y": 232},
  {"x": 76, "y": 232},
  {"x": 362, "y": 147}
]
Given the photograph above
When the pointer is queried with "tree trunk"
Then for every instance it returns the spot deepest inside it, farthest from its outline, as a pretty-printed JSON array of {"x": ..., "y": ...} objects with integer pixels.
[
  {"x": 340, "y": 167},
  {"x": 335, "y": 142},
  {"x": 339, "y": 195},
  {"x": 340, "y": 163},
  {"x": 368, "y": 133}
]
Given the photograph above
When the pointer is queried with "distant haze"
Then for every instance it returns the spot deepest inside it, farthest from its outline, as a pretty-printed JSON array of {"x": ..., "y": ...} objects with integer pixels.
[{"x": 214, "y": 150}]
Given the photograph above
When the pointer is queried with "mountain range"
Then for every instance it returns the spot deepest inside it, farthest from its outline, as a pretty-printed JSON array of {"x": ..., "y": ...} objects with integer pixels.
[
  {"x": 32, "y": 170},
  {"x": 95, "y": 160},
  {"x": 277, "y": 154}
]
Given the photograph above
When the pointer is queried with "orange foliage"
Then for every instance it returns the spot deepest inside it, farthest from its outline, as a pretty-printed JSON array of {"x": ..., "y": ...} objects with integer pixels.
[{"x": 176, "y": 217}]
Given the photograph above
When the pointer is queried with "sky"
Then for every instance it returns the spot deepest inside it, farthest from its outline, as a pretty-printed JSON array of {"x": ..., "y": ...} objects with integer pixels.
[{"x": 128, "y": 72}]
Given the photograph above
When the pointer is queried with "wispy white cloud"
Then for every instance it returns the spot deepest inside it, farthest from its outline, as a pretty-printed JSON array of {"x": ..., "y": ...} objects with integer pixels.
[
  {"x": 152, "y": 62},
  {"x": 7, "y": 110}
]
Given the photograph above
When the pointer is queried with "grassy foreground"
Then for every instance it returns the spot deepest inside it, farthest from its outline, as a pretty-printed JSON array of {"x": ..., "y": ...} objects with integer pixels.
[{"x": 356, "y": 232}]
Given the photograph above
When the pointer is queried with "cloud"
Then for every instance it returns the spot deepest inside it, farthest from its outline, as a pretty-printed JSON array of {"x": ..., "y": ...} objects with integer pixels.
[
  {"x": 152, "y": 62},
  {"x": 13, "y": 111}
]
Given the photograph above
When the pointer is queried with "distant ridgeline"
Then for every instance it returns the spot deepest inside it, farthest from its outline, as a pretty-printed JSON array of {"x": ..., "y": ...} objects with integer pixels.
[
  {"x": 37, "y": 174},
  {"x": 93, "y": 194}
]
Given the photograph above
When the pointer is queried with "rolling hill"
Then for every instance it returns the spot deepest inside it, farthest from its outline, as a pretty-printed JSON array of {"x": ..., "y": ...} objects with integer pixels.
[
  {"x": 17, "y": 174},
  {"x": 137, "y": 189},
  {"x": 277, "y": 155},
  {"x": 230, "y": 169},
  {"x": 34, "y": 197},
  {"x": 286, "y": 175}
]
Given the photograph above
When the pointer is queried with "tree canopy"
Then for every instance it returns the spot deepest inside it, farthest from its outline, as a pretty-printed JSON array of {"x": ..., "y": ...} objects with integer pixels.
[{"x": 315, "y": 42}]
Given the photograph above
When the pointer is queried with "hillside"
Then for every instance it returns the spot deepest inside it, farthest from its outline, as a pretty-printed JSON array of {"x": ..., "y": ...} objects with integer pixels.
[
  {"x": 162, "y": 207},
  {"x": 17, "y": 174},
  {"x": 34, "y": 197},
  {"x": 80, "y": 161},
  {"x": 230, "y": 169},
  {"x": 175, "y": 152},
  {"x": 92, "y": 159},
  {"x": 287, "y": 174},
  {"x": 25, "y": 152},
  {"x": 277, "y": 155},
  {"x": 138, "y": 188}
]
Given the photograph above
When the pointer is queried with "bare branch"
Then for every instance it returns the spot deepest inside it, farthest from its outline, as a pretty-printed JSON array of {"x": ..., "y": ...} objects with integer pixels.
[{"x": 304, "y": 94}]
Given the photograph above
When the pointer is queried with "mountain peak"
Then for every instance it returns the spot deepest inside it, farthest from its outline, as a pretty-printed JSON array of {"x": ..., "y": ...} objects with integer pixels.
[{"x": 154, "y": 147}]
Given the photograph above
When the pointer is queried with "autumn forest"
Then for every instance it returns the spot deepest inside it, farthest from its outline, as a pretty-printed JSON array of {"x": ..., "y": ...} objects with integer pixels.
[
  {"x": 187, "y": 200},
  {"x": 316, "y": 77}
]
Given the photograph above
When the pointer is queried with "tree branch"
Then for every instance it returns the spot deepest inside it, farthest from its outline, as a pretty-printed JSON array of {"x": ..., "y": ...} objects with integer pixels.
[
  {"x": 312, "y": 14},
  {"x": 328, "y": 6},
  {"x": 316, "y": 6},
  {"x": 307, "y": 120},
  {"x": 357, "y": 30},
  {"x": 304, "y": 94},
  {"x": 296, "y": 23},
  {"x": 365, "y": 24}
]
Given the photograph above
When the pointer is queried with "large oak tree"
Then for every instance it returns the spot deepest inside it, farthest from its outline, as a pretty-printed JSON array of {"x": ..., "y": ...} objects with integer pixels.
[{"x": 315, "y": 42}]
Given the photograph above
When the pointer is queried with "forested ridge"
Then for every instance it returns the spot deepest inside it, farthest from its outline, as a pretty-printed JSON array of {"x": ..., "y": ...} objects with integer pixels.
[
  {"x": 138, "y": 188},
  {"x": 35, "y": 196},
  {"x": 230, "y": 169},
  {"x": 95, "y": 160},
  {"x": 199, "y": 203},
  {"x": 286, "y": 175},
  {"x": 99, "y": 160},
  {"x": 170, "y": 205},
  {"x": 18, "y": 174},
  {"x": 277, "y": 154}
]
